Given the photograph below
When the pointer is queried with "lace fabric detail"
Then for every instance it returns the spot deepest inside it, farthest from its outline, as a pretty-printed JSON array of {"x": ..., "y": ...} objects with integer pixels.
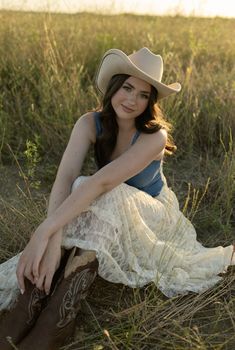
[
  {"x": 138, "y": 239},
  {"x": 9, "y": 289}
]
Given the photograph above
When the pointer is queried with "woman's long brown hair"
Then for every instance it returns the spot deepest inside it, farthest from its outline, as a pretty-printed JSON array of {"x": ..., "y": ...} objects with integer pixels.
[{"x": 150, "y": 121}]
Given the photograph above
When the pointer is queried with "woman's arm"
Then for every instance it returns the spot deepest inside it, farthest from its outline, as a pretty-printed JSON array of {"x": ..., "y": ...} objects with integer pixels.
[
  {"x": 116, "y": 172},
  {"x": 110, "y": 176},
  {"x": 82, "y": 136}
]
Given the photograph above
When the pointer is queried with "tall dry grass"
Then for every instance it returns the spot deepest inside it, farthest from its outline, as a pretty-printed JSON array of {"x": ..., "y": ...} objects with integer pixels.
[{"x": 48, "y": 65}]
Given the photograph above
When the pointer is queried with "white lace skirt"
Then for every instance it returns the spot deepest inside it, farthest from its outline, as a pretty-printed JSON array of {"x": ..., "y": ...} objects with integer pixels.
[{"x": 138, "y": 239}]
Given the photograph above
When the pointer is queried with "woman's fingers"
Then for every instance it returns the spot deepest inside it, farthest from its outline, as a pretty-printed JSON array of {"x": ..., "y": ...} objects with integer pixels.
[
  {"x": 40, "y": 281},
  {"x": 20, "y": 276},
  {"x": 29, "y": 261},
  {"x": 35, "y": 269},
  {"x": 48, "y": 280},
  {"x": 27, "y": 268},
  {"x": 38, "y": 262},
  {"x": 29, "y": 275},
  {"x": 38, "y": 258}
]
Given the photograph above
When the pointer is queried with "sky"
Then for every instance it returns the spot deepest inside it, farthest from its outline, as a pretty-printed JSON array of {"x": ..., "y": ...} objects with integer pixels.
[{"x": 208, "y": 8}]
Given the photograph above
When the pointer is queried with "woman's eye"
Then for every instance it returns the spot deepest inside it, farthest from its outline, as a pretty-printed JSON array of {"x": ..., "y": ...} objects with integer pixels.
[
  {"x": 144, "y": 96},
  {"x": 127, "y": 88}
]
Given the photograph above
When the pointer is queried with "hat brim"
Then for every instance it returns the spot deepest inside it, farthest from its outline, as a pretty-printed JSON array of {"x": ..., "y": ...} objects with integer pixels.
[{"x": 117, "y": 62}]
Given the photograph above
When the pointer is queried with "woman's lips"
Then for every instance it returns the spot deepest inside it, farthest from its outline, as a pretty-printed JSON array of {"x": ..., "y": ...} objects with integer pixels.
[{"x": 126, "y": 109}]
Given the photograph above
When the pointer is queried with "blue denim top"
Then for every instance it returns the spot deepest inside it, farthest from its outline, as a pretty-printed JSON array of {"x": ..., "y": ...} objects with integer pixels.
[{"x": 149, "y": 179}]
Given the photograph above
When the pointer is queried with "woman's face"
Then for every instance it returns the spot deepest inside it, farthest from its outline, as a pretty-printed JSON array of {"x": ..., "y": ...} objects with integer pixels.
[{"x": 131, "y": 99}]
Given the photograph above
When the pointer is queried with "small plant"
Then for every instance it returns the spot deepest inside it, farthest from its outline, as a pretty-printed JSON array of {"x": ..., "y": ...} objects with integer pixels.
[{"x": 32, "y": 160}]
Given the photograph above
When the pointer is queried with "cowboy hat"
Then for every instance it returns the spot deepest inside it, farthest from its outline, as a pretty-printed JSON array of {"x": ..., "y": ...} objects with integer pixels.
[{"x": 142, "y": 64}]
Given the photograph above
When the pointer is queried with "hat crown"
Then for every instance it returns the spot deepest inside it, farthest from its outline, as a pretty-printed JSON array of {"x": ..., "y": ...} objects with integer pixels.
[{"x": 148, "y": 62}]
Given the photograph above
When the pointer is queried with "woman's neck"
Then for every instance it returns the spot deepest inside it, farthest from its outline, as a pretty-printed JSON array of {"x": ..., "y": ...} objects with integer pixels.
[{"x": 126, "y": 125}]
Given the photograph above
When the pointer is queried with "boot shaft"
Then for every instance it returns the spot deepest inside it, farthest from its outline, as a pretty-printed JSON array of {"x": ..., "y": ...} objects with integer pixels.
[{"x": 57, "y": 320}]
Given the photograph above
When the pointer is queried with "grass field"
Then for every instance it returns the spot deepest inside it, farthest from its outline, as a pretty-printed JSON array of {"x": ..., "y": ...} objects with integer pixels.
[{"x": 48, "y": 65}]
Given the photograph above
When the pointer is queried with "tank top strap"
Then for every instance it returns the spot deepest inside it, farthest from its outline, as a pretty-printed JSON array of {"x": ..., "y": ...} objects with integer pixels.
[
  {"x": 98, "y": 125},
  {"x": 135, "y": 137}
]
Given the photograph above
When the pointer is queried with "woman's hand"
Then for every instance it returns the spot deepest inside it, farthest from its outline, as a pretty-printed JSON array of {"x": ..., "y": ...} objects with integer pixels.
[
  {"x": 31, "y": 256},
  {"x": 50, "y": 262}
]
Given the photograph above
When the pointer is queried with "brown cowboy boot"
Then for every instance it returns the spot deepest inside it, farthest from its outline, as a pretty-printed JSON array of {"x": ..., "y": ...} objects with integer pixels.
[
  {"x": 57, "y": 320},
  {"x": 21, "y": 318},
  {"x": 18, "y": 321}
]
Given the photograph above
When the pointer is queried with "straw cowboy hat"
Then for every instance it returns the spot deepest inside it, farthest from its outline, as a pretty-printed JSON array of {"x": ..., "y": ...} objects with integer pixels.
[{"x": 142, "y": 64}]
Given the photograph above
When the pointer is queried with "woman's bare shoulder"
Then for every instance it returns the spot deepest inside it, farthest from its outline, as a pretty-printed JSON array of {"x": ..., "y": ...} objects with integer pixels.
[
  {"x": 157, "y": 139},
  {"x": 87, "y": 123}
]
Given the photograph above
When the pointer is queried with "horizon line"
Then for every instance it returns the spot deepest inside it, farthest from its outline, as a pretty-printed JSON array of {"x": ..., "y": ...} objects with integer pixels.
[{"x": 177, "y": 14}]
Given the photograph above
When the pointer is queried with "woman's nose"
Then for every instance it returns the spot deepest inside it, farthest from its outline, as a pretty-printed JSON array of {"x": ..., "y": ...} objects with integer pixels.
[{"x": 132, "y": 98}]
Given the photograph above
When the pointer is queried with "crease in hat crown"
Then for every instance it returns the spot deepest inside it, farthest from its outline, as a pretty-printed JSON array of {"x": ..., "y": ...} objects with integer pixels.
[
  {"x": 148, "y": 62},
  {"x": 142, "y": 64}
]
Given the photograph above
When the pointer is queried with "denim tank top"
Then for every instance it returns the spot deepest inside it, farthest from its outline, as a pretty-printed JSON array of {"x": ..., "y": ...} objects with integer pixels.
[{"x": 149, "y": 179}]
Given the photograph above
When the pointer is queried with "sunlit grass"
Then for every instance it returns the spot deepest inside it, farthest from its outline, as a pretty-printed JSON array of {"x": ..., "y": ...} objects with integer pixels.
[{"x": 48, "y": 65}]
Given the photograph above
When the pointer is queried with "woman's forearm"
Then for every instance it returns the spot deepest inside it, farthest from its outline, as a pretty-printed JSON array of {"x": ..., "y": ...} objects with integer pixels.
[
  {"x": 60, "y": 191},
  {"x": 72, "y": 206}
]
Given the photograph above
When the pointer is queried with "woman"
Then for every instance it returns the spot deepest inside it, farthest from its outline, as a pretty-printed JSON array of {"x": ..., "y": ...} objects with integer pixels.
[{"x": 122, "y": 221}]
